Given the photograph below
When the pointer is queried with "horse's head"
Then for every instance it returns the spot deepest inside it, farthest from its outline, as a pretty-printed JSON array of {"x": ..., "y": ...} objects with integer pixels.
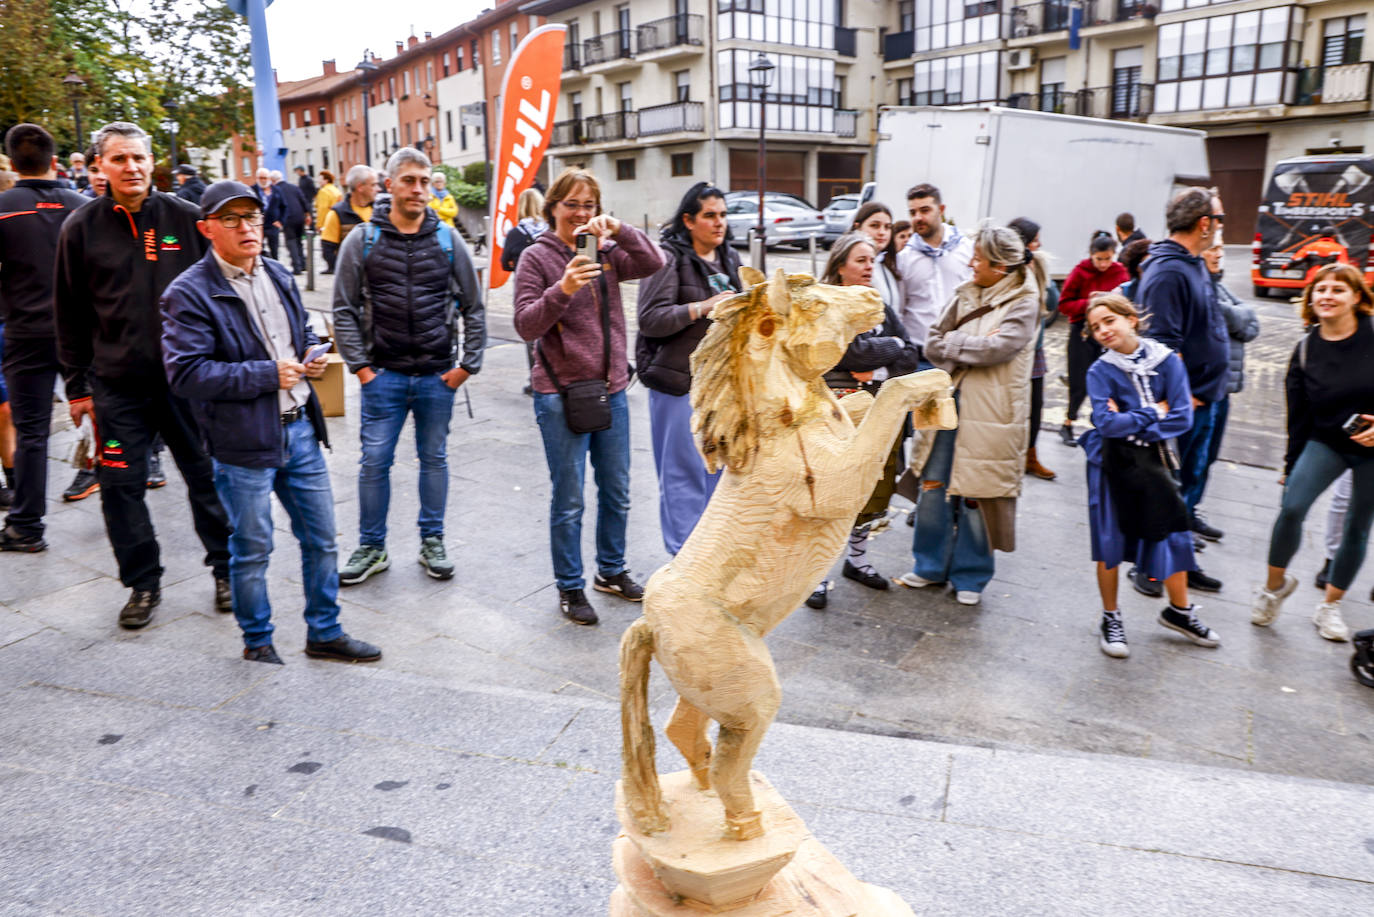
[
  {"x": 790, "y": 318},
  {"x": 817, "y": 321}
]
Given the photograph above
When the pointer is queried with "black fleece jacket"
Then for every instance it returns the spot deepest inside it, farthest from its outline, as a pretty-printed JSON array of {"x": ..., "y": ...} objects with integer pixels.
[
  {"x": 112, "y": 266},
  {"x": 31, "y": 215}
]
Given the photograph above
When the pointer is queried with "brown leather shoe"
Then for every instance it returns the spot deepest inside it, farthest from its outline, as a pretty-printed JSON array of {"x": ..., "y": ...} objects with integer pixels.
[{"x": 1034, "y": 467}]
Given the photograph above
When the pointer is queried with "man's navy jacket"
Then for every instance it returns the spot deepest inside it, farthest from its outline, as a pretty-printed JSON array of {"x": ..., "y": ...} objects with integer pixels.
[{"x": 216, "y": 359}]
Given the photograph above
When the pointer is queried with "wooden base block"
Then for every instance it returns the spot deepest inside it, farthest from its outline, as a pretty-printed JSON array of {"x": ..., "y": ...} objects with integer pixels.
[{"x": 694, "y": 868}]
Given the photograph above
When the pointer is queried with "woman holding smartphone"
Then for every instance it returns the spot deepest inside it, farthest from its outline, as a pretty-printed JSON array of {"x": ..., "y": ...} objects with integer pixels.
[
  {"x": 567, "y": 302},
  {"x": 1330, "y": 429}
]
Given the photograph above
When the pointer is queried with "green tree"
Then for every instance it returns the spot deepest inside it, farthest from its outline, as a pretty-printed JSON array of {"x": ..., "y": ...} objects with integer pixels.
[{"x": 135, "y": 56}]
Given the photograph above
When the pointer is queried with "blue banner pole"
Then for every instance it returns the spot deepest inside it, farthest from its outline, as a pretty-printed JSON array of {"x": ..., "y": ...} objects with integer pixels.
[{"x": 266, "y": 113}]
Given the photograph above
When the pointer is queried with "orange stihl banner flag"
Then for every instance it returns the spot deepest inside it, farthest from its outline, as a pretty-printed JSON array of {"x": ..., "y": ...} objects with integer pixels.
[{"x": 529, "y": 96}]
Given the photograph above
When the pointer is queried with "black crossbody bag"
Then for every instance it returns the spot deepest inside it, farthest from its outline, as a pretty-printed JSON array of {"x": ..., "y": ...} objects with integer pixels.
[{"x": 587, "y": 404}]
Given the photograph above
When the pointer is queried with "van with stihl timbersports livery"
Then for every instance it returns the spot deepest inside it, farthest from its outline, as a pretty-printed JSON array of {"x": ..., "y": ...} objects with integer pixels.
[{"x": 1316, "y": 211}]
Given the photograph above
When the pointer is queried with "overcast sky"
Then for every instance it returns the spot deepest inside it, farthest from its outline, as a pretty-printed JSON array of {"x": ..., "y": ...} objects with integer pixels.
[{"x": 305, "y": 32}]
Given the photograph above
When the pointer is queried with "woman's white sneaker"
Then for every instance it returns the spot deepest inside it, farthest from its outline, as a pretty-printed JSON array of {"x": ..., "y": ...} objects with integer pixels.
[
  {"x": 1329, "y": 622},
  {"x": 916, "y": 582},
  {"x": 965, "y": 597},
  {"x": 1267, "y": 604}
]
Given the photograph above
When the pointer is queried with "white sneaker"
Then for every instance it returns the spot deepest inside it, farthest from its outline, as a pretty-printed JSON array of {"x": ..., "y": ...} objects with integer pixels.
[
  {"x": 1266, "y": 605},
  {"x": 1329, "y": 622},
  {"x": 964, "y": 597},
  {"x": 916, "y": 582}
]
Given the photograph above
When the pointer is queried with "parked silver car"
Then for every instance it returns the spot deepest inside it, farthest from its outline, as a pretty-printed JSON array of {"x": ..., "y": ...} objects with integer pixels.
[
  {"x": 785, "y": 222},
  {"x": 839, "y": 215}
]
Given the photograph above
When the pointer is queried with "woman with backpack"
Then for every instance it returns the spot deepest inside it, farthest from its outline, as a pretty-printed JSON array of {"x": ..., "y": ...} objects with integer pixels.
[
  {"x": 701, "y": 269},
  {"x": 1330, "y": 429},
  {"x": 529, "y": 210}
]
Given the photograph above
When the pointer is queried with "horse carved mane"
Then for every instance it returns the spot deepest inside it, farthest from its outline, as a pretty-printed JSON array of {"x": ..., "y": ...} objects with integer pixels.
[{"x": 728, "y": 368}]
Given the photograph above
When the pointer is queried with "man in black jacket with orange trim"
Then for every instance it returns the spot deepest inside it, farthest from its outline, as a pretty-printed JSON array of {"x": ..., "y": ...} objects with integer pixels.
[
  {"x": 115, "y": 257},
  {"x": 31, "y": 215}
]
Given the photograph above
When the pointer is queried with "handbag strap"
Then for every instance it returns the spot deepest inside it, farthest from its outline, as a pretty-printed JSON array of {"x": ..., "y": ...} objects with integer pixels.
[
  {"x": 604, "y": 307},
  {"x": 975, "y": 314}
]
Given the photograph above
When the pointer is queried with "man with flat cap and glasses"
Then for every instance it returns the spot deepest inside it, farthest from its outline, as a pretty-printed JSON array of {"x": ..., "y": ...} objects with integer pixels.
[
  {"x": 115, "y": 256},
  {"x": 238, "y": 347}
]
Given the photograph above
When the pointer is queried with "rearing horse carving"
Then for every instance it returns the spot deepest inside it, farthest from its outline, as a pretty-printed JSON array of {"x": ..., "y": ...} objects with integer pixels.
[{"x": 797, "y": 471}]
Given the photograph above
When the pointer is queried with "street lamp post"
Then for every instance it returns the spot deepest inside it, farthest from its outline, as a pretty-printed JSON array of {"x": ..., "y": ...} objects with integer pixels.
[
  {"x": 74, "y": 86},
  {"x": 365, "y": 70},
  {"x": 171, "y": 107},
  {"x": 760, "y": 76}
]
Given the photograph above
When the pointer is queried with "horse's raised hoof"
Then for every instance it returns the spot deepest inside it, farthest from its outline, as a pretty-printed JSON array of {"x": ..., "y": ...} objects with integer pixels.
[
  {"x": 746, "y": 828},
  {"x": 701, "y": 777}
]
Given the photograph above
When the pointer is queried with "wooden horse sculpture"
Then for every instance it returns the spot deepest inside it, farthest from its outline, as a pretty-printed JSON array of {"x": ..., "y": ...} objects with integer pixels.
[{"x": 797, "y": 471}]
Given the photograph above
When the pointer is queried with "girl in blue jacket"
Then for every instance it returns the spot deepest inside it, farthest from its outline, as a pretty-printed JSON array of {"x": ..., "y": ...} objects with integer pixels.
[{"x": 1140, "y": 400}]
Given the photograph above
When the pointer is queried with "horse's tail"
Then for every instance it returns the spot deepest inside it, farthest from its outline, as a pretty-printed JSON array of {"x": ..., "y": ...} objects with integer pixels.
[{"x": 643, "y": 797}]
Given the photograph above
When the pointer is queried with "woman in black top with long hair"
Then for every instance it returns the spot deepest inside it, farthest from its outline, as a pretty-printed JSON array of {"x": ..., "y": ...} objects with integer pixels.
[
  {"x": 1330, "y": 429},
  {"x": 675, "y": 306}
]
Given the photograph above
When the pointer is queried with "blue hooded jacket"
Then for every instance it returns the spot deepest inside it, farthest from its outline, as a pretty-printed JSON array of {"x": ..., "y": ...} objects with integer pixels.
[{"x": 1176, "y": 292}]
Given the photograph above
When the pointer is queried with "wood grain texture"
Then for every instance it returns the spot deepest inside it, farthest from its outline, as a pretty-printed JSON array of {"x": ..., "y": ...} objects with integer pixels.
[{"x": 797, "y": 470}]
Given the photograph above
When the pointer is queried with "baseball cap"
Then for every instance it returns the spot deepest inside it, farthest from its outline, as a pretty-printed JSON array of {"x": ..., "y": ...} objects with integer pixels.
[
  {"x": 186, "y": 169},
  {"x": 222, "y": 192}
]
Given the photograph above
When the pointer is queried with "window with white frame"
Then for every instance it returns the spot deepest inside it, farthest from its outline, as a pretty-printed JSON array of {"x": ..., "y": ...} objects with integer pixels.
[
  {"x": 806, "y": 23},
  {"x": 1230, "y": 61},
  {"x": 496, "y": 48},
  {"x": 446, "y": 63},
  {"x": 957, "y": 80},
  {"x": 626, "y": 92},
  {"x": 682, "y": 85},
  {"x": 951, "y": 23},
  {"x": 514, "y": 37},
  {"x": 904, "y": 91},
  {"x": 801, "y": 97}
]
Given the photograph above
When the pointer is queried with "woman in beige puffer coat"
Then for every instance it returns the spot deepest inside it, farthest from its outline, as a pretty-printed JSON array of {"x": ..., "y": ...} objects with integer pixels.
[{"x": 986, "y": 341}]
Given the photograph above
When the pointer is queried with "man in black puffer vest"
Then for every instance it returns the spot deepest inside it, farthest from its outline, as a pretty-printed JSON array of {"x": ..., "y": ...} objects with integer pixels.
[{"x": 404, "y": 280}]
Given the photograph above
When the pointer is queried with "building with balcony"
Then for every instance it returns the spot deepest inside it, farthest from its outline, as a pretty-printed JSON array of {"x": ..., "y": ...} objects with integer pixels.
[
  {"x": 656, "y": 97},
  {"x": 1266, "y": 79}
]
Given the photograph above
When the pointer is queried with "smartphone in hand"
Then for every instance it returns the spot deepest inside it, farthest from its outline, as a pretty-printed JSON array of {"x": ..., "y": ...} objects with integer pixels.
[
  {"x": 1355, "y": 425},
  {"x": 587, "y": 244},
  {"x": 314, "y": 353}
]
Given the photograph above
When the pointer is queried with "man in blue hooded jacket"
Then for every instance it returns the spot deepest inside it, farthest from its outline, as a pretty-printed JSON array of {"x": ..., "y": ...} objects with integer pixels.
[{"x": 1176, "y": 293}]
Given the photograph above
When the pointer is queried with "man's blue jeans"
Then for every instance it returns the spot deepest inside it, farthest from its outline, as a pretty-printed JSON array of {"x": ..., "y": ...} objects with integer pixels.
[
  {"x": 950, "y": 543},
  {"x": 1193, "y": 448},
  {"x": 567, "y": 454},
  {"x": 386, "y": 401},
  {"x": 302, "y": 486}
]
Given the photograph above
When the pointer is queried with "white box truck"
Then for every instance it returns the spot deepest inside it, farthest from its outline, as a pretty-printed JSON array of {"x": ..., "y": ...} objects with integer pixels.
[{"x": 1071, "y": 175}]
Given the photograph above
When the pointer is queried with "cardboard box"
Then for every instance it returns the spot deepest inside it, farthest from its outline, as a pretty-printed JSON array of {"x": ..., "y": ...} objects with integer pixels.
[{"x": 330, "y": 386}]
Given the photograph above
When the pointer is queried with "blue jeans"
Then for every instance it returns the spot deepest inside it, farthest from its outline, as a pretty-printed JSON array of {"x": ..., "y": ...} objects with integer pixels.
[
  {"x": 567, "y": 453},
  {"x": 302, "y": 486},
  {"x": 1317, "y": 467},
  {"x": 1193, "y": 449},
  {"x": 386, "y": 401},
  {"x": 684, "y": 484},
  {"x": 950, "y": 543}
]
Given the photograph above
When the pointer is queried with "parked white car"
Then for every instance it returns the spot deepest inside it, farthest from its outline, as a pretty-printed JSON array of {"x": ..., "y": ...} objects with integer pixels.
[{"x": 785, "y": 222}]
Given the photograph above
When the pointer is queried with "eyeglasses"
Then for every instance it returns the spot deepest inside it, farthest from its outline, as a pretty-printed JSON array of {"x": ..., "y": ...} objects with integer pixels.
[
  {"x": 232, "y": 220},
  {"x": 588, "y": 205},
  {"x": 1219, "y": 217}
]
